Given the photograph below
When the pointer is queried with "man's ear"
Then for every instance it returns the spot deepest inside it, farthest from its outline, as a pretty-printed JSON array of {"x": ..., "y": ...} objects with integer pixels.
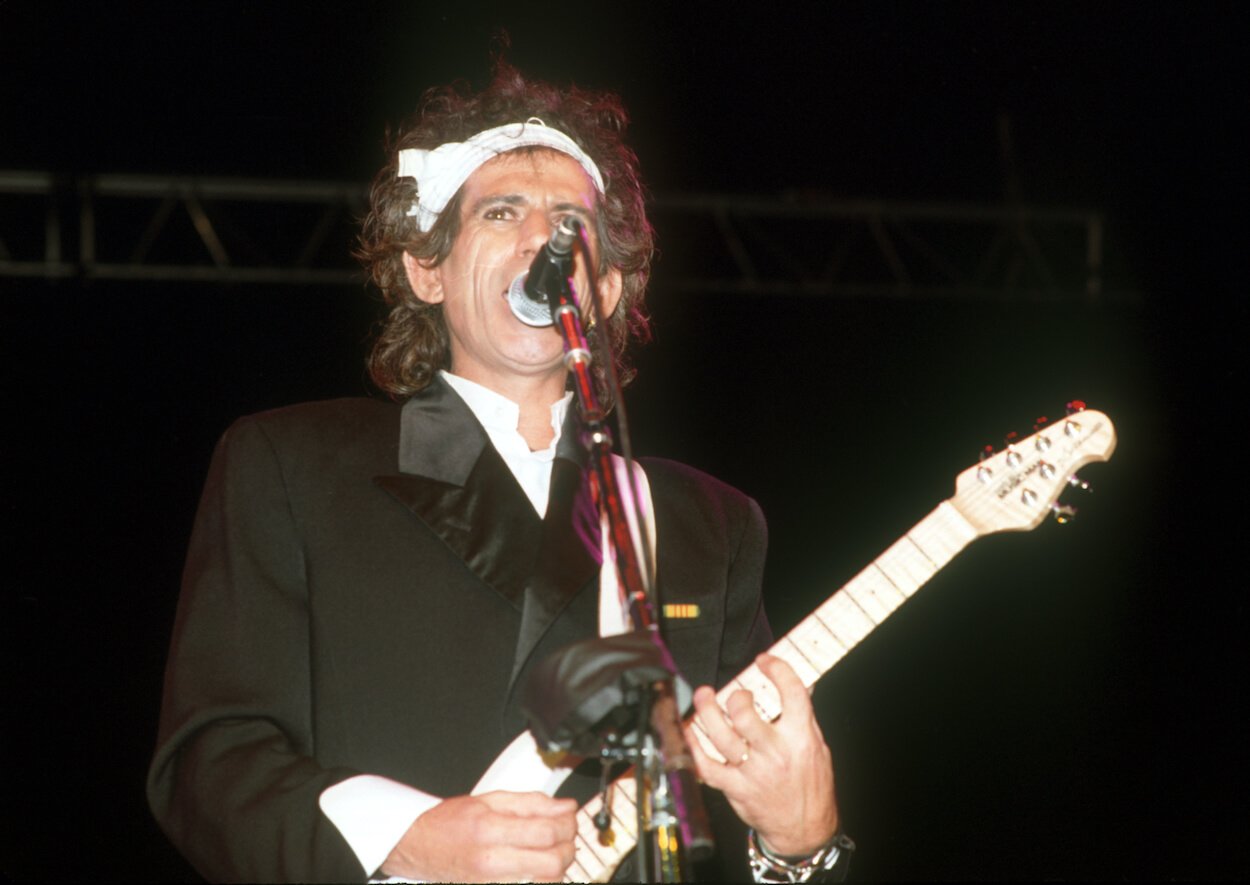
[
  {"x": 610, "y": 288},
  {"x": 426, "y": 282}
]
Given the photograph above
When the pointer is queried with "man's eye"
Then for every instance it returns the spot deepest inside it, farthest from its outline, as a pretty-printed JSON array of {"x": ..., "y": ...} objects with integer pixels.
[{"x": 498, "y": 213}]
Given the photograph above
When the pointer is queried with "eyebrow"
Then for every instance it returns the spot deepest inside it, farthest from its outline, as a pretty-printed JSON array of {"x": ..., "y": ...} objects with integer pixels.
[{"x": 521, "y": 200}]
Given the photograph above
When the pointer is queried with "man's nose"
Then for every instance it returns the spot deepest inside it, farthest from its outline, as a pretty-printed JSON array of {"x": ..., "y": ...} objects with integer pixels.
[{"x": 535, "y": 232}]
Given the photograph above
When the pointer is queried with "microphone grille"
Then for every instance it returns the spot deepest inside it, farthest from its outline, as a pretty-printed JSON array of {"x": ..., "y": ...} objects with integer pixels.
[{"x": 531, "y": 311}]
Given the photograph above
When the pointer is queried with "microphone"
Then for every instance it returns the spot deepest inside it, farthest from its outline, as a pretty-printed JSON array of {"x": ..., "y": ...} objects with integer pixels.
[{"x": 531, "y": 294}]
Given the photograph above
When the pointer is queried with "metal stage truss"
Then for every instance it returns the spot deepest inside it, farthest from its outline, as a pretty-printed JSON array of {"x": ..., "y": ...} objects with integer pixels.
[{"x": 225, "y": 230}]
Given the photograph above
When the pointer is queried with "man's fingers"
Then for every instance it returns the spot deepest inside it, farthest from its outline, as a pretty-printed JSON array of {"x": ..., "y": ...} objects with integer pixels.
[
  {"x": 790, "y": 687},
  {"x": 529, "y": 820},
  {"x": 741, "y": 711},
  {"x": 720, "y": 731},
  {"x": 529, "y": 832},
  {"x": 711, "y": 771},
  {"x": 532, "y": 804}
]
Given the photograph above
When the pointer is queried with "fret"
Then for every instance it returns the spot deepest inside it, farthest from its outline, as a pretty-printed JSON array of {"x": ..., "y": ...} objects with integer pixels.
[
  {"x": 818, "y": 645},
  {"x": 705, "y": 742},
  {"x": 942, "y": 534},
  {"x": 624, "y": 812},
  {"x": 767, "y": 700},
  {"x": 594, "y": 851},
  {"x": 624, "y": 808},
  {"x": 904, "y": 566},
  {"x": 845, "y": 619},
  {"x": 577, "y": 873},
  {"x": 586, "y": 867},
  {"x": 874, "y": 593},
  {"x": 586, "y": 818},
  {"x": 931, "y": 544},
  {"x": 793, "y": 655}
]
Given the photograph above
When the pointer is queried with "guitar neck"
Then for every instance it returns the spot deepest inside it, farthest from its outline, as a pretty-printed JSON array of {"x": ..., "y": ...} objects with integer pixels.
[
  {"x": 846, "y": 618},
  {"x": 812, "y": 648}
]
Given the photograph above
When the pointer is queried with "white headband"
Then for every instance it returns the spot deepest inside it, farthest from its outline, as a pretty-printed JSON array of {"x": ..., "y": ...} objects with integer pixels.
[{"x": 440, "y": 172}]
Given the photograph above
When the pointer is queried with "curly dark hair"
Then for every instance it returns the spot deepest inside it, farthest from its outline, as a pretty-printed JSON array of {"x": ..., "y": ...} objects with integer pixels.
[{"x": 413, "y": 343}]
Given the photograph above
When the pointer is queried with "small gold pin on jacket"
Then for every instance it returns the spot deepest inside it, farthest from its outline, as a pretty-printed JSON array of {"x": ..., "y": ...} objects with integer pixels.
[{"x": 681, "y": 610}]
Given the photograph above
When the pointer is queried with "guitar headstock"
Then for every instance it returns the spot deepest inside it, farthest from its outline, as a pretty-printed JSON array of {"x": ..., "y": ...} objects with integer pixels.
[{"x": 1017, "y": 488}]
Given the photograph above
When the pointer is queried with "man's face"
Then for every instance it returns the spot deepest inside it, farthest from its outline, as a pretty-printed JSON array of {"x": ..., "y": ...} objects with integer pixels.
[{"x": 509, "y": 208}]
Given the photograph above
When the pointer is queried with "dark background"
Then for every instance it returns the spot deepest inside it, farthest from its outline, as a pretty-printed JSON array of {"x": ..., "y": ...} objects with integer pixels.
[{"x": 1064, "y": 704}]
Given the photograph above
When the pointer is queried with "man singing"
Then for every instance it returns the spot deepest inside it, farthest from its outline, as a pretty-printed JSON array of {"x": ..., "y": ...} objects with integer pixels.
[{"x": 369, "y": 583}]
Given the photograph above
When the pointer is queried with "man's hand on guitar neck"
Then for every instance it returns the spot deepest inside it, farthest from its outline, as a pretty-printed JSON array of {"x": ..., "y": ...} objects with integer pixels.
[
  {"x": 778, "y": 776},
  {"x": 494, "y": 837}
]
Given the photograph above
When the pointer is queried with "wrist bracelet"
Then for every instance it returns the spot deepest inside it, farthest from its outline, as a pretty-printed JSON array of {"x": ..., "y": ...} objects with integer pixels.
[{"x": 769, "y": 867}]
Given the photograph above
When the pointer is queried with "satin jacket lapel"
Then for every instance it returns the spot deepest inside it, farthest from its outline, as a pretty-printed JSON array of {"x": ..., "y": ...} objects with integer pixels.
[
  {"x": 569, "y": 553},
  {"x": 457, "y": 484}
]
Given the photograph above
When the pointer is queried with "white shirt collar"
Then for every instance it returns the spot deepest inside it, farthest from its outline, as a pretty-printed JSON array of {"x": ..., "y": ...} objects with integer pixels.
[{"x": 500, "y": 417}]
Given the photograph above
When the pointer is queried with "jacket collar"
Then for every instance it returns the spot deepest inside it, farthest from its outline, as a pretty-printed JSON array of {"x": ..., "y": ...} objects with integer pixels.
[
  {"x": 455, "y": 482},
  {"x": 439, "y": 438}
]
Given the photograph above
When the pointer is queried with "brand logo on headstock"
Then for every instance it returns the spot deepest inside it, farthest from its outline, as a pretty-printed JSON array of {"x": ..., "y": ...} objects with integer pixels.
[{"x": 1015, "y": 479}]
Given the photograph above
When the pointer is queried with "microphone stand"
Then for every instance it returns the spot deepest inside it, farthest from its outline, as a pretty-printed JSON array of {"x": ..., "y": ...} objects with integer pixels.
[{"x": 669, "y": 803}]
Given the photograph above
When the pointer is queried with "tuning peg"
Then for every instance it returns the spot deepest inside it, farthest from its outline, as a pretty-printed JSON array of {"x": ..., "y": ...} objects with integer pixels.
[
  {"x": 1013, "y": 457},
  {"x": 1062, "y": 513},
  {"x": 1077, "y": 483},
  {"x": 984, "y": 473},
  {"x": 1042, "y": 443}
]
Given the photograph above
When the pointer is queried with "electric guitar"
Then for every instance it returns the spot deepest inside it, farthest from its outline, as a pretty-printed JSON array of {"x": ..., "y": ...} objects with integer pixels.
[{"x": 1013, "y": 490}]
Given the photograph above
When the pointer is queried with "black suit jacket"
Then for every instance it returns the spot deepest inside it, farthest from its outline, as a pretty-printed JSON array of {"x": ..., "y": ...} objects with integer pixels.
[{"x": 366, "y": 590}]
